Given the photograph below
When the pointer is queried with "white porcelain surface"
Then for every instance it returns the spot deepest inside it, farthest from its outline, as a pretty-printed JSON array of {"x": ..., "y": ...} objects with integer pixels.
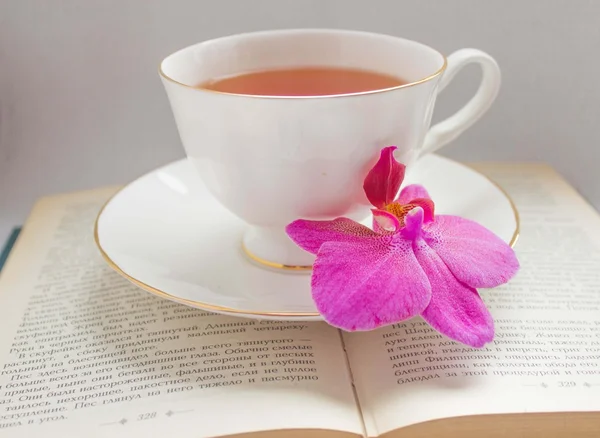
[
  {"x": 272, "y": 159},
  {"x": 170, "y": 236}
]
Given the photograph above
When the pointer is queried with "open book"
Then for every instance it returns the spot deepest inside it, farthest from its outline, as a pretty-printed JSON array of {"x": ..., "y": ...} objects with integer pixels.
[{"x": 83, "y": 353}]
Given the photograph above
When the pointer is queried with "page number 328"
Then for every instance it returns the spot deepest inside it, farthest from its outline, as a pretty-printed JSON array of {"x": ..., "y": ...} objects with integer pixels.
[
  {"x": 148, "y": 416},
  {"x": 566, "y": 384}
]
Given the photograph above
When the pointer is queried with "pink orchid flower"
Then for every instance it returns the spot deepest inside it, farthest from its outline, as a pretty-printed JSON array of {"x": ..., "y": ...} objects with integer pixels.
[{"x": 411, "y": 263}]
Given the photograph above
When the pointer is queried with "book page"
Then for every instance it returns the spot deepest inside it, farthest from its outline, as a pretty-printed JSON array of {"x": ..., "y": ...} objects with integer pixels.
[
  {"x": 546, "y": 352},
  {"x": 85, "y": 353}
]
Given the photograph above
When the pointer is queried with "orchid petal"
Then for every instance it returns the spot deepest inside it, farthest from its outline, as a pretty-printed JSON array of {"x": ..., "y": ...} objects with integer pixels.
[
  {"x": 310, "y": 235},
  {"x": 412, "y": 191},
  {"x": 384, "y": 221},
  {"x": 362, "y": 287},
  {"x": 474, "y": 254},
  {"x": 384, "y": 179},
  {"x": 455, "y": 310}
]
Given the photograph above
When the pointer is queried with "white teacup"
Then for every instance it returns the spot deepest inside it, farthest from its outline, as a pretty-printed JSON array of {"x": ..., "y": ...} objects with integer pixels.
[{"x": 273, "y": 159}]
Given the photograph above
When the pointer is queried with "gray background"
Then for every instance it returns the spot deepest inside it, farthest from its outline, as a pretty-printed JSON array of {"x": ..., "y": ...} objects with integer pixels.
[{"x": 81, "y": 104}]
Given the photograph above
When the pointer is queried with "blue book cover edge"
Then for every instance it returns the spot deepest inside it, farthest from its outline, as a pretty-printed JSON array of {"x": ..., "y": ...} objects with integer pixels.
[{"x": 9, "y": 245}]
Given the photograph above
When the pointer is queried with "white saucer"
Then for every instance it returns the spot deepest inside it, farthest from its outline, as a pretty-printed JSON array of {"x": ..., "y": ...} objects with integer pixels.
[{"x": 165, "y": 233}]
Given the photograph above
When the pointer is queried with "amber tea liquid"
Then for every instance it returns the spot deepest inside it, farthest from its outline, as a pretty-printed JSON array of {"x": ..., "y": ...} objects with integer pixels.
[{"x": 304, "y": 81}]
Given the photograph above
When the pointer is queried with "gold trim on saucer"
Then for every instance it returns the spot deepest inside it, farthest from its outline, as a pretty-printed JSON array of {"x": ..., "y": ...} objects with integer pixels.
[
  {"x": 216, "y": 308},
  {"x": 191, "y": 303},
  {"x": 274, "y": 265},
  {"x": 517, "y": 232}
]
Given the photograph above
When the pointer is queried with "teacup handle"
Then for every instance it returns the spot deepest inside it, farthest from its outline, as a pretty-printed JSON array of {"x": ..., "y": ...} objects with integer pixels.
[{"x": 450, "y": 128}]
